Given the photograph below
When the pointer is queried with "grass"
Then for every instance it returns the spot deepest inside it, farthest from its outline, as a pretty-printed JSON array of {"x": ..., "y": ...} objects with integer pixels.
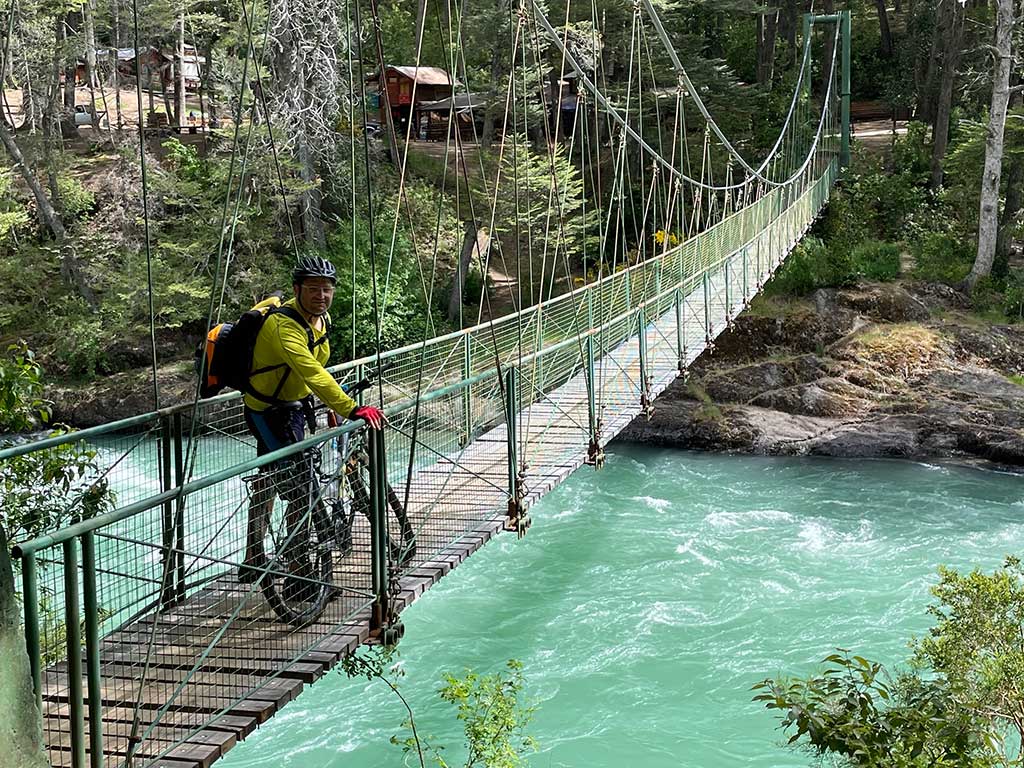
[
  {"x": 775, "y": 307},
  {"x": 901, "y": 350},
  {"x": 1017, "y": 379},
  {"x": 707, "y": 411}
]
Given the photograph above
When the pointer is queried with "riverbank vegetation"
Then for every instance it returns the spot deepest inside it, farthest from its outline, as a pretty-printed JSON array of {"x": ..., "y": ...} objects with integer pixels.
[{"x": 956, "y": 703}]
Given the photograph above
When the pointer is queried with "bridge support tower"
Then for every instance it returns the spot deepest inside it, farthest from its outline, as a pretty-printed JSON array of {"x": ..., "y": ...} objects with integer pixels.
[{"x": 843, "y": 20}]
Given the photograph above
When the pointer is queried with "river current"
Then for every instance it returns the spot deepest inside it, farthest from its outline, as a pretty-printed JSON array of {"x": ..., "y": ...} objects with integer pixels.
[{"x": 649, "y": 597}]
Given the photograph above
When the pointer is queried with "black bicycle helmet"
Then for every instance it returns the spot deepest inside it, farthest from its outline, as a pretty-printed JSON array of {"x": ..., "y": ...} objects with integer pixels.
[{"x": 313, "y": 266}]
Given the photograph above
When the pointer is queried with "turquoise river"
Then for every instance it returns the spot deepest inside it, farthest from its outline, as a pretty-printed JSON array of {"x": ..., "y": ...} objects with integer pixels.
[{"x": 649, "y": 597}]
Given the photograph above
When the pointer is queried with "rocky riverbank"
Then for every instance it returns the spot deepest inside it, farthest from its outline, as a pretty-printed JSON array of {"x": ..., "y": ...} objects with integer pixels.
[
  {"x": 879, "y": 370},
  {"x": 120, "y": 395}
]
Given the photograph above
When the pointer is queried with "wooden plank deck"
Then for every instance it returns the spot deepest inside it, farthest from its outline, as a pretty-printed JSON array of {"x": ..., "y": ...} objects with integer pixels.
[{"x": 243, "y": 665}]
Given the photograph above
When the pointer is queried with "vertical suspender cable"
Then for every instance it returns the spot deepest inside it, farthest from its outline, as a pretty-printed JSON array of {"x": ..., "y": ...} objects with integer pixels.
[{"x": 145, "y": 205}]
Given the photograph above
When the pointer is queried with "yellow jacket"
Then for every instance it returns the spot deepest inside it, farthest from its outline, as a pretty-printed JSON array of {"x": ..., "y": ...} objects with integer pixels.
[{"x": 281, "y": 340}]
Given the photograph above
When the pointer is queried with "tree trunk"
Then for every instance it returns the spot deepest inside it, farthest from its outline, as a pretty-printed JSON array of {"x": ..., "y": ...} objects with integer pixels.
[
  {"x": 116, "y": 83},
  {"x": 951, "y": 60},
  {"x": 767, "y": 33},
  {"x": 209, "y": 86},
  {"x": 311, "y": 200},
  {"x": 29, "y": 103},
  {"x": 988, "y": 221},
  {"x": 827, "y": 7},
  {"x": 496, "y": 104},
  {"x": 1012, "y": 208},
  {"x": 21, "y": 733},
  {"x": 1013, "y": 203},
  {"x": 883, "y": 28},
  {"x": 166, "y": 98},
  {"x": 789, "y": 25},
  {"x": 51, "y": 218},
  {"x": 179, "y": 72},
  {"x": 90, "y": 58},
  {"x": 925, "y": 110},
  {"x": 470, "y": 245},
  {"x": 68, "y": 128},
  {"x": 115, "y": 6}
]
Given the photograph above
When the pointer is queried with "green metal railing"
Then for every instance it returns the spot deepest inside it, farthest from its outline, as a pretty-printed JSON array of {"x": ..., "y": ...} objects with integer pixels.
[{"x": 479, "y": 420}]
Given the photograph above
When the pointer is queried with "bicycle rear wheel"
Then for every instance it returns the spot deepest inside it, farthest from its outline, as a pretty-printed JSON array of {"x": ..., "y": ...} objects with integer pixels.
[{"x": 401, "y": 550}]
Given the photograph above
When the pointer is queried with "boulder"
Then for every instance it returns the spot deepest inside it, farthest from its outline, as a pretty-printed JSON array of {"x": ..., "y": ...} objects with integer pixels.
[{"x": 891, "y": 382}]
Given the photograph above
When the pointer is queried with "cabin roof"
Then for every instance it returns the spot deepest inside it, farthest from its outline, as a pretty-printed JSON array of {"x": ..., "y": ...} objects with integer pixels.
[
  {"x": 461, "y": 102},
  {"x": 425, "y": 75}
]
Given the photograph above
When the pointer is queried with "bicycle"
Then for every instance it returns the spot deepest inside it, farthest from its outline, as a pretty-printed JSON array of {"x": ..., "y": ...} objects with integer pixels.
[{"x": 299, "y": 546}]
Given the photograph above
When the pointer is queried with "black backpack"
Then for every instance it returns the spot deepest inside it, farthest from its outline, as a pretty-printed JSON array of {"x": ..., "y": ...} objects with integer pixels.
[{"x": 224, "y": 359}]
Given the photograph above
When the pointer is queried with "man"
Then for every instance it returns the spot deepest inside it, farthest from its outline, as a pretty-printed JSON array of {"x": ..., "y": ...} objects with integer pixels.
[{"x": 287, "y": 366}]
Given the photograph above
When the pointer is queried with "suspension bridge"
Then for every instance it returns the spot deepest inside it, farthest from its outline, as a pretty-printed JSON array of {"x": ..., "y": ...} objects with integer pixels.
[{"x": 147, "y": 650}]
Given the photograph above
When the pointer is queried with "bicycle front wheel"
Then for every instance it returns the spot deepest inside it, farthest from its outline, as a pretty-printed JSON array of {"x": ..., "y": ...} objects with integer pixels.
[{"x": 299, "y": 580}]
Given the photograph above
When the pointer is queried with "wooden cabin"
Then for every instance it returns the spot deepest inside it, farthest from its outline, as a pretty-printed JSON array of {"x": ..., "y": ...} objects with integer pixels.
[
  {"x": 468, "y": 119},
  {"x": 430, "y": 84},
  {"x": 159, "y": 67}
]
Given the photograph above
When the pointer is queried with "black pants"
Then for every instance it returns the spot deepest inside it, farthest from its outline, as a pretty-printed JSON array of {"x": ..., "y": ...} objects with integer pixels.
[{"x": 289, "y": 478}]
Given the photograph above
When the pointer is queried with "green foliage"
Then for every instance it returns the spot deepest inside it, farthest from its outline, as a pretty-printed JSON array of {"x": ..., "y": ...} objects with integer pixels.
[
  {"x": 41, "y": 489},
  {"x": 541, "y": 216},
  {"x": 986, "y": 298},
  {"x": 883, "y": 202},
  {"x": 404, "y": 314},
  {"x": 871, "y": 67},
  {"x": 1013, "y": 296},
  {"x": 184, "y": 160},
  {"x": 977, "y": 645},
  {"x": 13, "y": 215},
  {"x": 22, "y": 405},
  {"x": 911, "y": 153},
  {"x": 84, "y": 350},
  {"x": 958, "y": 703},
  {"x": 876, "y": 260},
  {"x": 812, "y": 265},
  {"x": 75, "y": 200},
  {"x": 492, "y": 716},
  {"x": 853, "y": 713},
  {"x": 45, "y": 489},
  {"x": 941, "y": 257}
]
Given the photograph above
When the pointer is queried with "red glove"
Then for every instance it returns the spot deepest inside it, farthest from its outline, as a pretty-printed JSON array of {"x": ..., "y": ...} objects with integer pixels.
[{"x": 372, "y": 416}]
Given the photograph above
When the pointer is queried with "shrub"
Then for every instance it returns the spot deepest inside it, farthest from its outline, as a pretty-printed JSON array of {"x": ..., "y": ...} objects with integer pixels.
[
  {"x": 1013, "y": 297},
  {"x": 941, "y": 257},
  {"x": 13, "y": 215},
  {"x": 911, "y": 153},
  {"x": 472, "y": 293},
  {"x": 75, "y": 199},
  {"x": 184, "y": 160},
  {"x": 22, "y": 406},
  {"x": 876, "y": 260},
  {"x": 83, "y": 350},
  {"x": 405, "y": 317},
  {"x": 986, "y": 297},
  {"x": 796, "y": 277},
  {"x": 811, "y": 265},
  {"x": 844, "y": 223}
]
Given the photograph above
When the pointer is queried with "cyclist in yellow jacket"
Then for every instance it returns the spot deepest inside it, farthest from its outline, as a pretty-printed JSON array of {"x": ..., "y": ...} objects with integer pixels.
[{"x": 287, "y": 367}]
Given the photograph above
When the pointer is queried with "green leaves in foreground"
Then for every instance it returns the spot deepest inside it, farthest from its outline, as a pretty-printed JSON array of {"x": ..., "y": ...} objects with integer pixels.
[
  {"x": 492, "y": 716},
  {"x": 960, "y": 703},
  {"x": 488, "y": 706}
]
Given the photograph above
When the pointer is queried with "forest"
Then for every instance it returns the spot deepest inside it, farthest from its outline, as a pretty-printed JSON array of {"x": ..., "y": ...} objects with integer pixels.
[{"x": 262, "y": 140}]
